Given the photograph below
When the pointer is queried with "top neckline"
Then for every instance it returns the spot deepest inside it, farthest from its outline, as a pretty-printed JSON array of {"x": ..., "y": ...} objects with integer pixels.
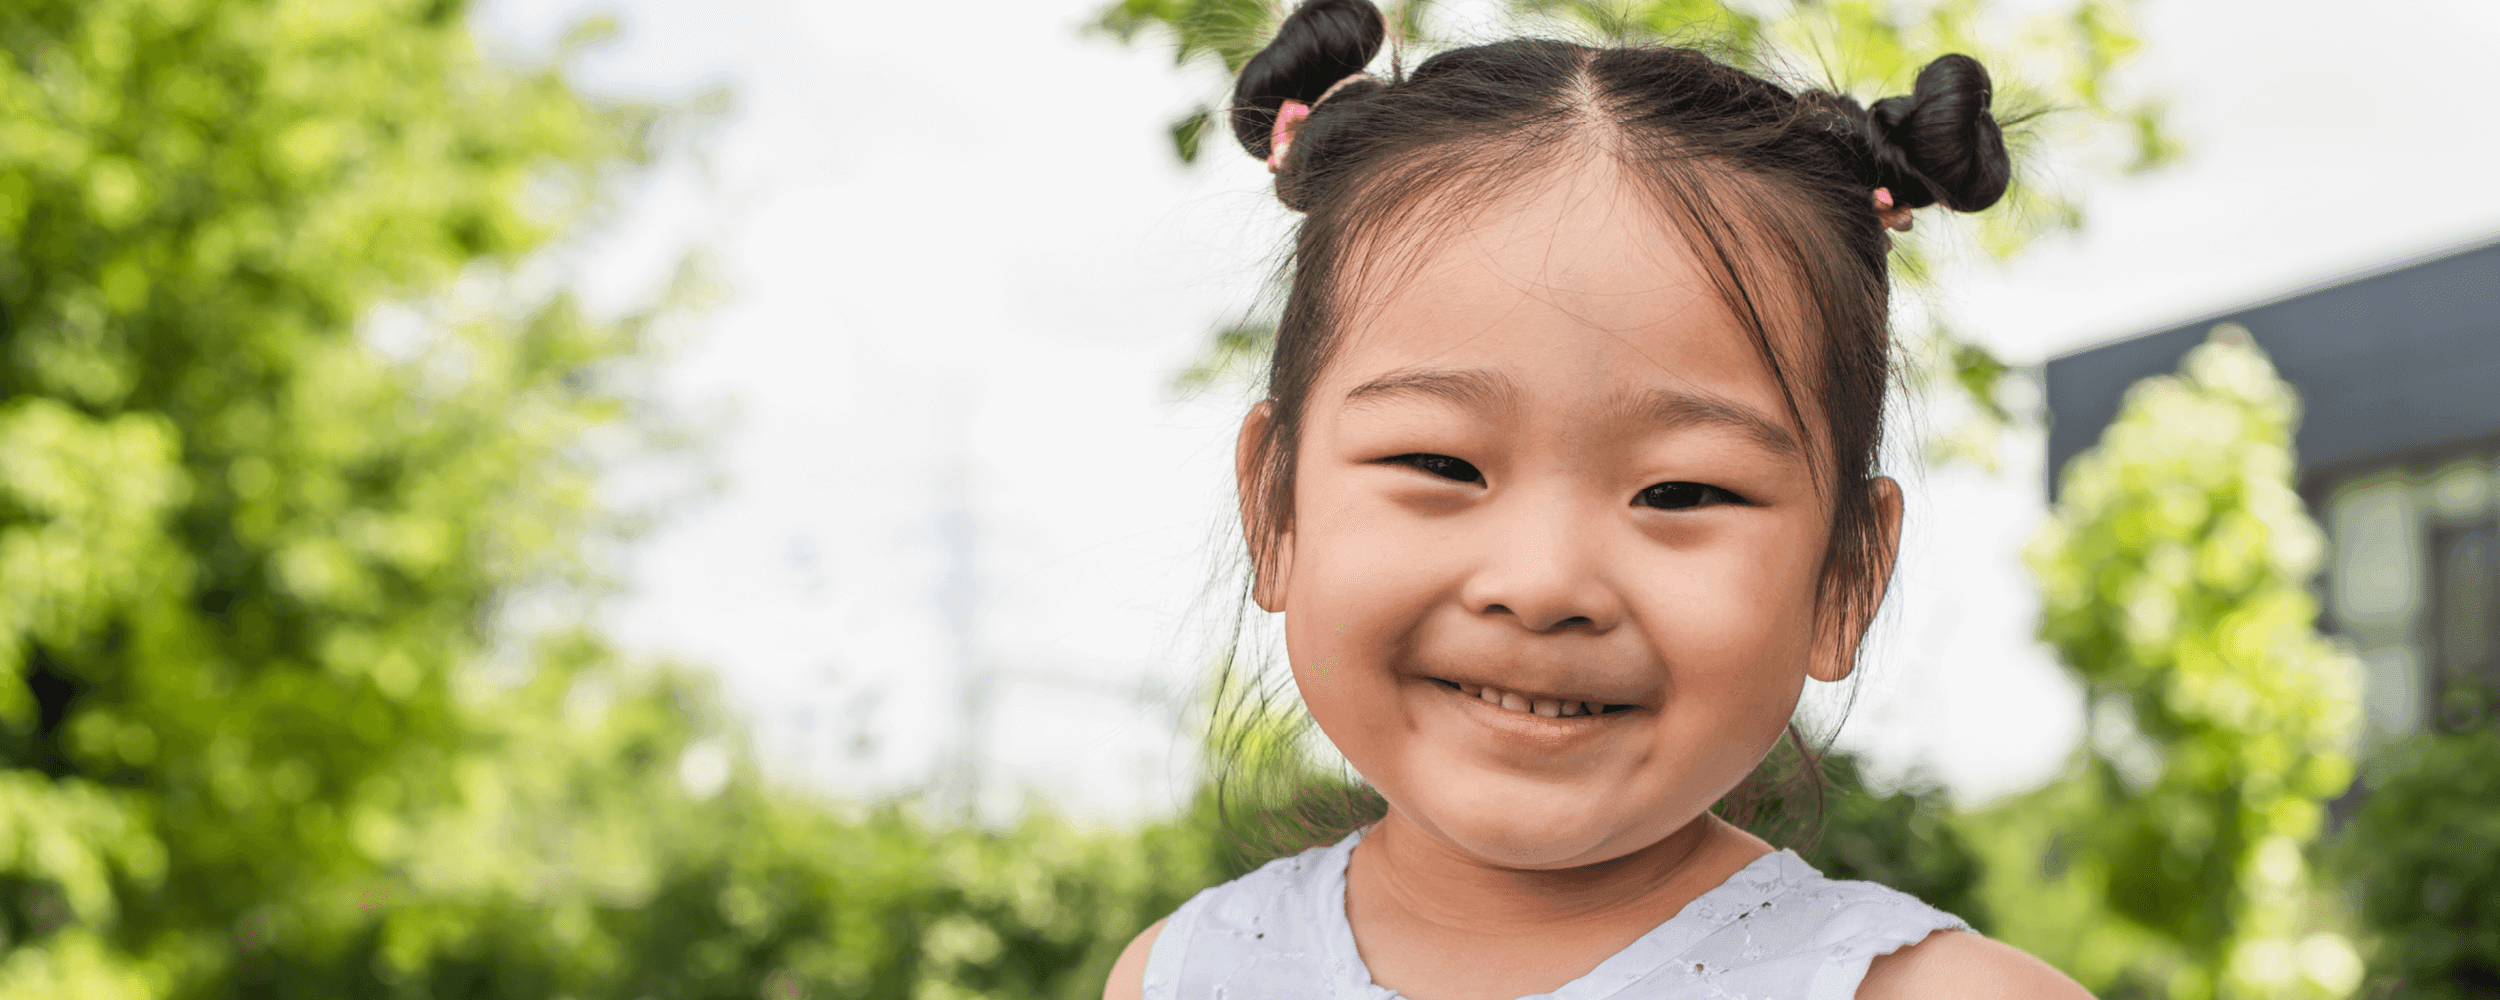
[{"x": 1755, "y": 885}]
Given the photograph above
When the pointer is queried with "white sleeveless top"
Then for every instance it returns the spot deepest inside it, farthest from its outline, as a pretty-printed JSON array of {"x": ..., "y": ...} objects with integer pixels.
[{"x": 1777, "y": 930}]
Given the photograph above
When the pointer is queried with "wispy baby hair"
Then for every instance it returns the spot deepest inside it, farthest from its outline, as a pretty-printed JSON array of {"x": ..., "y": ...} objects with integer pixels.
[{"x": 1772, "y": 190}]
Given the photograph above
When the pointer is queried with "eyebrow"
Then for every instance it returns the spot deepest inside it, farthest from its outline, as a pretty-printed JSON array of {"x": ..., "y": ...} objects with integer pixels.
[
  {"x": 1469, "y": 388},
  {"x": 1669, "y": 409},
  {"x": 1482, "y": 389}
]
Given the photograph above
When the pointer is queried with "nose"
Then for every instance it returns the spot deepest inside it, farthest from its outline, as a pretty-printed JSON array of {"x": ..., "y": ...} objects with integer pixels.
[{"x": 1544, "y": 562}]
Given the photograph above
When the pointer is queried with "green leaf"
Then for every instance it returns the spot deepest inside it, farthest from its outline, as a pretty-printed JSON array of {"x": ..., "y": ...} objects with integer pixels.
[{"x": 1188, "y": 132}]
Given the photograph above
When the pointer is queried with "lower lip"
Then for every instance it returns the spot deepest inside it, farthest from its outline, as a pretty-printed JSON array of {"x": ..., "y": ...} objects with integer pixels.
[{"x": 1530, "y": 727}]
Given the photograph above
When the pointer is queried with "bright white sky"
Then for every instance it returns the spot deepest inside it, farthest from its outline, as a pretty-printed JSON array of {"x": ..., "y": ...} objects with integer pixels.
[{"x": 957, "y": 236}]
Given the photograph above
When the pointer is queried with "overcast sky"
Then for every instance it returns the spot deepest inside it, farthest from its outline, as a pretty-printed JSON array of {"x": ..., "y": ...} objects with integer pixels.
[{"x": 962, "y": 254}]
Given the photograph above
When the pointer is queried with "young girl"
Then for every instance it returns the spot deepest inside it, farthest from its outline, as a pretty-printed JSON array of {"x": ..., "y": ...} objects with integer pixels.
[{"x": 1564, "y": 486}]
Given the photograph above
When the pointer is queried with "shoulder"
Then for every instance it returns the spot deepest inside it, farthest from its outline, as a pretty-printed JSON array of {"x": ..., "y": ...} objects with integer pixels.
[
  {"x": 1961, "y": 965},
  {"x": 1128, "y": 975},
  {"x": 1217, "y": 928}
]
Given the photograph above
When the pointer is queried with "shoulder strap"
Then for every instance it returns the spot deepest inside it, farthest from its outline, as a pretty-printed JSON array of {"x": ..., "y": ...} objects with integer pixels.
[
  {"x": 1253, "y": 937},
  {"x": 1869, "y": 920},
  {"x": 1163, "y": 960}
]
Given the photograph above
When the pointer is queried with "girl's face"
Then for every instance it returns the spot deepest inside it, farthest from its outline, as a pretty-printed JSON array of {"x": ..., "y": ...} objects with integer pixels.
[{"x": 1552, "y": 465}]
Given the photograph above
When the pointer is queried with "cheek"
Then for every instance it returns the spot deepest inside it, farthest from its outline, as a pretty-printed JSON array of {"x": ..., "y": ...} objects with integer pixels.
[
  {"x": 1363, "y": 578},
  {"x": 1346, "y": 614},
  {"x": 1735, "y": 608},
  {"x": 1358, "y": 708},
  {"x": 1734, "y": 626},
  {"x": 1345, "y": 592}
]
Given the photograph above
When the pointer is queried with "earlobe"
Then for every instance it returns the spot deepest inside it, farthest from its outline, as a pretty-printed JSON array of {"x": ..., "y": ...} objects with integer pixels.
[
  {"x": 1269, "y": 589},
  {"x": 1249, "y": 475},
  {"x": 1888, "y": 505},
  {"x": 1835, "y": 654}
]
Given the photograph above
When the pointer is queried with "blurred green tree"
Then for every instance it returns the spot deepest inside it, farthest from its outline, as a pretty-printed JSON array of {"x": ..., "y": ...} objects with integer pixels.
[
  {"x": 2173, "y": 861},
  {"x": 2052, "y": 67},
  {"x": 2424, "y": 852},
  {"x": 625, "y": 853},
  {"x": 248, "y": 538}
]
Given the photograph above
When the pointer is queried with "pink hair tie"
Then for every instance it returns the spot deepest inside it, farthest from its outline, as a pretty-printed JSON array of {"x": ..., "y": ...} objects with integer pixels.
[
  {"x": 1337, "y": 86},
  {"x": 1894, "y": 217},
  {"x": 1289, "y": 117}
]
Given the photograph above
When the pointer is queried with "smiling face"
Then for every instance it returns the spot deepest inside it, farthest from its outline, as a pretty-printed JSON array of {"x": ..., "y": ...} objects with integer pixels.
[{"x": 1551, "y": 579}]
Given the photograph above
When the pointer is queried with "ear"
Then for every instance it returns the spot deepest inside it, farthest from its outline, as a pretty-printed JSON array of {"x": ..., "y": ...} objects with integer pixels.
[
  {"x": 1249, "y": 476},
  {"x": 1836, "y": 646}
]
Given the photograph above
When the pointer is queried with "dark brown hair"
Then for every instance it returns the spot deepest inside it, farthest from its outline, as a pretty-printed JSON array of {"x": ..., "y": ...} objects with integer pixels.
[{"x": 1772, "y": 190}]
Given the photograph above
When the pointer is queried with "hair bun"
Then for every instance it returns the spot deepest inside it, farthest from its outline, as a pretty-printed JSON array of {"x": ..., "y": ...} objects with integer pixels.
[
  {"x": 1322, "y": 42},
  {"x": 1940, "y": 144}
]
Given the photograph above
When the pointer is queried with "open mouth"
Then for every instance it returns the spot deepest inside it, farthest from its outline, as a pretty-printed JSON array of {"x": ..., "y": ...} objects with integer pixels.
[{"x": 1513, "y": 701}]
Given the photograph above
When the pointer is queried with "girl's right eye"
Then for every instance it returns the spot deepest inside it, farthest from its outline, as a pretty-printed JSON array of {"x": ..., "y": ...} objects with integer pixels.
[{"x": 1441, "y": 465}]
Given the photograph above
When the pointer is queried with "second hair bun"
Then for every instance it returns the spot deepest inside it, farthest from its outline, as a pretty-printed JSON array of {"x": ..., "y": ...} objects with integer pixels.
[{"x": 1940, "y": 144}]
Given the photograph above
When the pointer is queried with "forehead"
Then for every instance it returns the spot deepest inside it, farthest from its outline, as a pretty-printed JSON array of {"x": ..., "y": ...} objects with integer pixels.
[{"x": 1575, "y": 287}]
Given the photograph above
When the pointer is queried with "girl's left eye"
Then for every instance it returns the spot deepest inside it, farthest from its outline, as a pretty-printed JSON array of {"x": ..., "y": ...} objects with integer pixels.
[
  {"x": 1686, "y": 496},
  {"x": 1441, "y": 465}
]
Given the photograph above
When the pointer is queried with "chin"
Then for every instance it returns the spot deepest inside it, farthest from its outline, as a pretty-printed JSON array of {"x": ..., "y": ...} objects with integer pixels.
[
  {"x": 1515, "y": 847},
  {"x": 1585, "y": 828}
]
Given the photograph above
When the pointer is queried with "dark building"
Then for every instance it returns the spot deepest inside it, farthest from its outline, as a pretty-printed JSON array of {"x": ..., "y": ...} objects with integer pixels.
[{"x": 2399, "y": 377}]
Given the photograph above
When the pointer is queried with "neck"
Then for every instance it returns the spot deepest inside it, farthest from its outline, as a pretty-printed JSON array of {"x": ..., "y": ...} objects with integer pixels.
[{"x": 1405, "y": 874}]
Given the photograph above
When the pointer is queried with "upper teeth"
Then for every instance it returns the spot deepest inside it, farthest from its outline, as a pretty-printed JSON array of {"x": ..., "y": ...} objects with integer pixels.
[{"x": 1515, "y": 702}]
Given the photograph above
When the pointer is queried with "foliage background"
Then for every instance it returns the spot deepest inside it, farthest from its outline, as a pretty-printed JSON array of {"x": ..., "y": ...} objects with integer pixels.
[{"x": 303, "y": 704}]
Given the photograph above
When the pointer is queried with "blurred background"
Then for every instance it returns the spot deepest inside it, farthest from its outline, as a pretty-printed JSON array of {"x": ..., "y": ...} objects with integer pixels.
[{"x": 537, "y": 498}]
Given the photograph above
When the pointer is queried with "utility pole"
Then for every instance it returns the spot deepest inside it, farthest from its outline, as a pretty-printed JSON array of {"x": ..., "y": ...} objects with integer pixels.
[{"x": 958, "y": 783}]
